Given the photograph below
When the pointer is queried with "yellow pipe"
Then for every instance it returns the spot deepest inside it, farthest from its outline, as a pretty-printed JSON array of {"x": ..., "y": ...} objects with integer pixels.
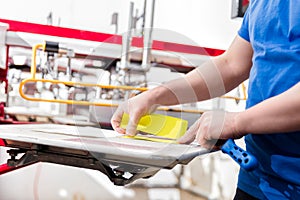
[
  {"x": 33, "y": 59},
  {"x": 244, "y": 90},
  {"x": 238, "y": 98},
  {"x": 234, "y": 98},
  {"x": 70, "y": 83}
]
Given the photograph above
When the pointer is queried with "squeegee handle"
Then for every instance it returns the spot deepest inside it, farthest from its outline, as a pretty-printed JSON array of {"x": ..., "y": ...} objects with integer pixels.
[{"x": 239, "y": 155}]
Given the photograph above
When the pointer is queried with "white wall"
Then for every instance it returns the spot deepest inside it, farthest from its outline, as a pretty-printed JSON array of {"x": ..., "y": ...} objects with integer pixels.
[
  {"x": 206, "y": 22},
  {"x": 94, "y": 15},
  {"x": 203, "y": 22}
]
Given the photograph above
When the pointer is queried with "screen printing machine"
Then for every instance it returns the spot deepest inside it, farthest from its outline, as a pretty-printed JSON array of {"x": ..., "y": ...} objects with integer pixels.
[{"x": 86, "y": 73}]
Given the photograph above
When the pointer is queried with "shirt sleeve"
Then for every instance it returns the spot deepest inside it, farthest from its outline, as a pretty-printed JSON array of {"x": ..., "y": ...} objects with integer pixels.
[{"x": 244, "y": 30}]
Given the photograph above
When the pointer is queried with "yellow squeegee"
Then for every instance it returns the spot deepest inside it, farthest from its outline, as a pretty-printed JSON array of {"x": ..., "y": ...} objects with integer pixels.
[{"x": 158, "y": 128}]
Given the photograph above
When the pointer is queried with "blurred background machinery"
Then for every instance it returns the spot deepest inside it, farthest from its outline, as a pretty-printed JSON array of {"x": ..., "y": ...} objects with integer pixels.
[{"x": 73, "y": 63}]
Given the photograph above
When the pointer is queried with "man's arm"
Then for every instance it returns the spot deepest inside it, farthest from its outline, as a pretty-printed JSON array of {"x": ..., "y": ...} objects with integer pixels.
[{"x": 212, "y": 79}]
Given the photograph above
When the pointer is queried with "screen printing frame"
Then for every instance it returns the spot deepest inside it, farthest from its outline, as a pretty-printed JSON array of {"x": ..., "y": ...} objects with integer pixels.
[{"x": 122, "y": 160}]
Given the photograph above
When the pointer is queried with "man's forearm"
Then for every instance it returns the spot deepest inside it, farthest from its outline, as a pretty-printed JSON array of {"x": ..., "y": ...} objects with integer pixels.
[{"x": 212, "y": 79}]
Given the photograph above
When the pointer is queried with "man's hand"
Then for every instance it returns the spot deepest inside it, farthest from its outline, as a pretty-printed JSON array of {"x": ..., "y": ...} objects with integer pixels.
[
  {"x": 135, "y": 107},
  {"x": 212, "y": 126}
]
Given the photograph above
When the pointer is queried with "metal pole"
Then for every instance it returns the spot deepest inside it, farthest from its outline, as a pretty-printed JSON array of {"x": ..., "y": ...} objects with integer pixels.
[
  {"x": 148, "y": 29},
  {"x": 126, "y": 40}
]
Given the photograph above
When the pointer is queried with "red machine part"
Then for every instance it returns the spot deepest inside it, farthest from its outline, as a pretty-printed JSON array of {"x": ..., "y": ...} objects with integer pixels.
[
  {"x": 2, "y": 143},
  {"x": 26, "y": 27},
  {"x": 245, "y": 2},
  {"x": 5, "y": 119},
  {"x": 5, "y": 168}
]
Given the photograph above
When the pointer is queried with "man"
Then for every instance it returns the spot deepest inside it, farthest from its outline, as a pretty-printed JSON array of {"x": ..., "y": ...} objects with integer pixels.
[{"x": 267, "y": 51}]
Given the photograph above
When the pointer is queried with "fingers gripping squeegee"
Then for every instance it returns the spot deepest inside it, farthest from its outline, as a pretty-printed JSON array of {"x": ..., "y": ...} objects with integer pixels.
[{"x": 162, "y": 128}]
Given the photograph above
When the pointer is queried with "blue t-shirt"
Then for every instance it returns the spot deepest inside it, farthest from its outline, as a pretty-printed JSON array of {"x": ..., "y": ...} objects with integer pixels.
[{"x": 273, "y": 29}]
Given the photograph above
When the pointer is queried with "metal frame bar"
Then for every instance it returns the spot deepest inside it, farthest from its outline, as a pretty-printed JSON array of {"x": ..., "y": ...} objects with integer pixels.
[{"x": 34, "y": 153}]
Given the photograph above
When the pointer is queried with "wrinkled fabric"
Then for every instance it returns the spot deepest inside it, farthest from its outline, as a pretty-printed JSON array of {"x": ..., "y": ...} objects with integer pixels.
[{"x": 273, "y": 29}]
